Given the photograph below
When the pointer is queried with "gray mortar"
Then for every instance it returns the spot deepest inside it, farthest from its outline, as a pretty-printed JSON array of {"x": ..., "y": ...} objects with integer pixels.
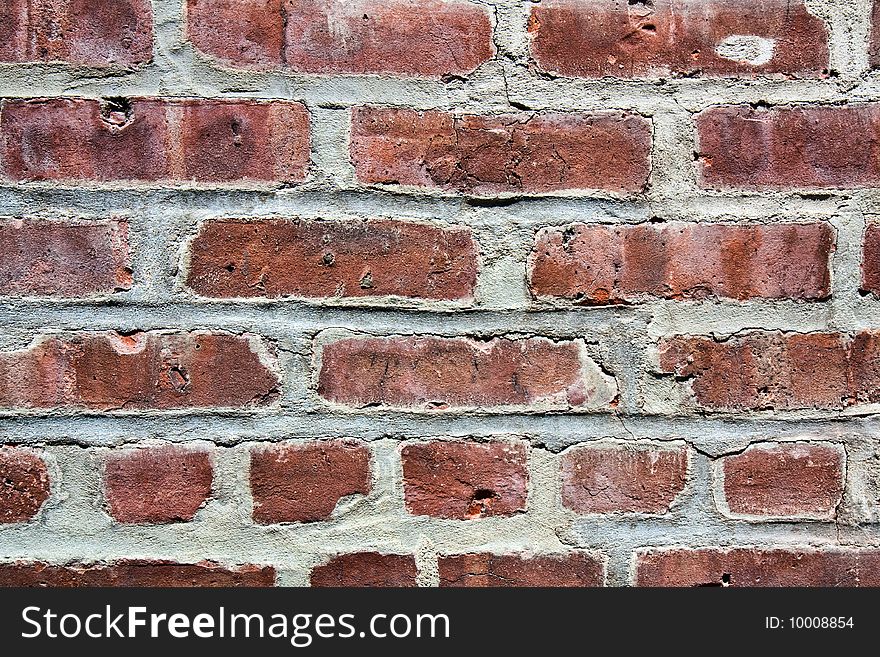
[{"x": 74, "y": 526}]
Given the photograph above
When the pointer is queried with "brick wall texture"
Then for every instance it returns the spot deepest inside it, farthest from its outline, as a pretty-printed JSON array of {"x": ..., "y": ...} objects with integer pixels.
[{"x": 439, "y": 292}]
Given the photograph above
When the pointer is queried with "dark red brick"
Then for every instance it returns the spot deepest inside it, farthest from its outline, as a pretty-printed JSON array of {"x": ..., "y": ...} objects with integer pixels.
[
  {"x": 594, "y": 264},
  {"x": 871, "y": 260},
  {"x": 24, "y": 484},
  {"x": 367, "y": 569},
  {"x": 324, "y": 259},
  {"x": 304, "y": 483},
  {"x": 465, "y": 480},
  {"x": 494, "y": 570},
  {"x": 485, "y": 155}
]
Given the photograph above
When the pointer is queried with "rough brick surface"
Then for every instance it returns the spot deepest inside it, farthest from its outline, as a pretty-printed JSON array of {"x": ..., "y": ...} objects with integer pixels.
[
  {"x": 445, "y": 373},
  {"x": 623, "y": 479},
  {"x": 157, "y": 485},
  {"x": 871, "y": 260},
  {"x": 781, "y": 371},
  {"x": 784, "y": 480},
  {"x": 754, "y": 567},
  {"x": 789, "y": 147},
  {"x": 465, "y": 480},
  {"x": 327, "y": 259},
  {"x": 874, "y": 36},
  {"x": 431, "y": 38},
  {"x": 109, "y": 371},
  {"x": 496, "y": 154},
  {"x": 625, "y": 264},
  {"x": 24, "y": 484},
  {"x": 304, "y": 483},
  {"x": 485, "y": 570},
  {"x": 132, "y": 573},
  {"x": 88, "y": 32},
  {"x": 366, "y": 569},
  {"x": 678, "y": 37},
  {"x": 155, "y": 140},
  {"x": 63, "y": 258}
]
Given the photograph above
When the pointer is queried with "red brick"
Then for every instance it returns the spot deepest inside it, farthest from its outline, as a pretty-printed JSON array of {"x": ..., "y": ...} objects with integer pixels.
[
  {"x": 493, "y": 570},
  {"x": 871, "y": 260},
  {"x": 784, "y": 479},
  {"x": 135, "y": 574},
  {"x": 626, "y": 264},
  {"x": 465, "y": 480},
  {"x": 328, "y": 259},
  {"x": 398, "y": 37},
  {"x": 87, "y": 32},
  {"x": 789, "y": 147},
  {"x": 758, "y": 567},
  {"x": 622, "y": 478},
  {"x": 367, "y": 569},
  {"x": 486, "y": 155},
  {"x": 304, "y": 483},
  {"x": 435, "y": 373},
  {"x": 24, "y": 484},
  {"x": 157, "y": 485},
  {"x": 679, "y": 38},
  {"x": 780, "y": 371},
  {"x": 108, "y": 371},
  {"x": 63, "y": 258},
  {"x": 151, "y": 140}
]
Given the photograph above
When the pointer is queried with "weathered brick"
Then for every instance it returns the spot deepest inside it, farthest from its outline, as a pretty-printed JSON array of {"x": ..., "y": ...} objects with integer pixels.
[
  {"x": 594, "y": 264},
  {"x": 871, "y": 260},
  {"x": 758, "y": 567},
  {"x": 790, "y": 147},
  {"x": 87, "y": 32},
  {"x": 660, "y": 38},
  {"x": 153, "y": 140},
  {"x": 367, "y": 569},
  {"x": 157, "y": 485},
  {"x": 501, "y": 570},
  {"x": 465, "y": 480},
  {"x": 133, "y": 573},
  {"x": 24, "y": 484},
  {"x": 784, "y": 480},
  {"x": 874, "y": 37},
  {"x": 430, "y": 38},
  {"x": 303, "y": 483},
  {"x": 435, "y": 373},
  {"x": 780, "y": 371},
  {"x": 643, "y": 478},
  {"x": 328, "y": 259},
  {"x": 63, "y": 258},
  {"x": 483, "y": 155},
  {"x": 108, "y": 371}
]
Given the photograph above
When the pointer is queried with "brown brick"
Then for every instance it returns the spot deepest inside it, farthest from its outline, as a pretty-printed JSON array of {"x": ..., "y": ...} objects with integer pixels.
[
  {"x": 329, "y": 259},
  {"x": 134, "y": 574},
  {"x": 789, "y": 147},
  {"x": 157, "y": 485},
  {"x": 108, "y": 371},
  {"x": 367, "y": 569},
  {"x": 87, "y": 32},
  {"x": 153, "y": 140},
  {"x": 784, "y": 480},
  {"x": 485, "y": 155},
  {"x": 63, "y": 258},
  {"x": 594, "y": 264},
  {"x": 758, "y": 567},
  {"x": 303, "y": 483},
  {"x": 441, "y": 373},
  {"x": 623, "y": 479},
  {"x": 494, "y": 570},
  {"x": 664, "y": 38},
  {"x": 780, "y": 371},
  {"x": 24, "y": 484},
  {"x": 465, "y": 480},
  {"x": 871, "y": 260},
  {"x": 428, "y": 39}
]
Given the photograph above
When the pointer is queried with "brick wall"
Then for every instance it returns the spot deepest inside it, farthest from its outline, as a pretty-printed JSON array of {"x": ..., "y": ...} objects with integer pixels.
[{"x": 456, "y": 293}]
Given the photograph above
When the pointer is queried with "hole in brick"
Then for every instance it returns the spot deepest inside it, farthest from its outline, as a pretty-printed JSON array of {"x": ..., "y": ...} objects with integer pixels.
[
  {"x": 640, "y": 3},
  {"x": 236, "y": 133},
  {"x": 116, "y": 112},
  {"x": 367, "y": 281},
  {"x": 649, "y": 28},
  {"x": 179, "y": 378},
  {"x": 481, "y": 502},
  {"x": 230, "y": 268},
  {"x": 328, "y": 259}
]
